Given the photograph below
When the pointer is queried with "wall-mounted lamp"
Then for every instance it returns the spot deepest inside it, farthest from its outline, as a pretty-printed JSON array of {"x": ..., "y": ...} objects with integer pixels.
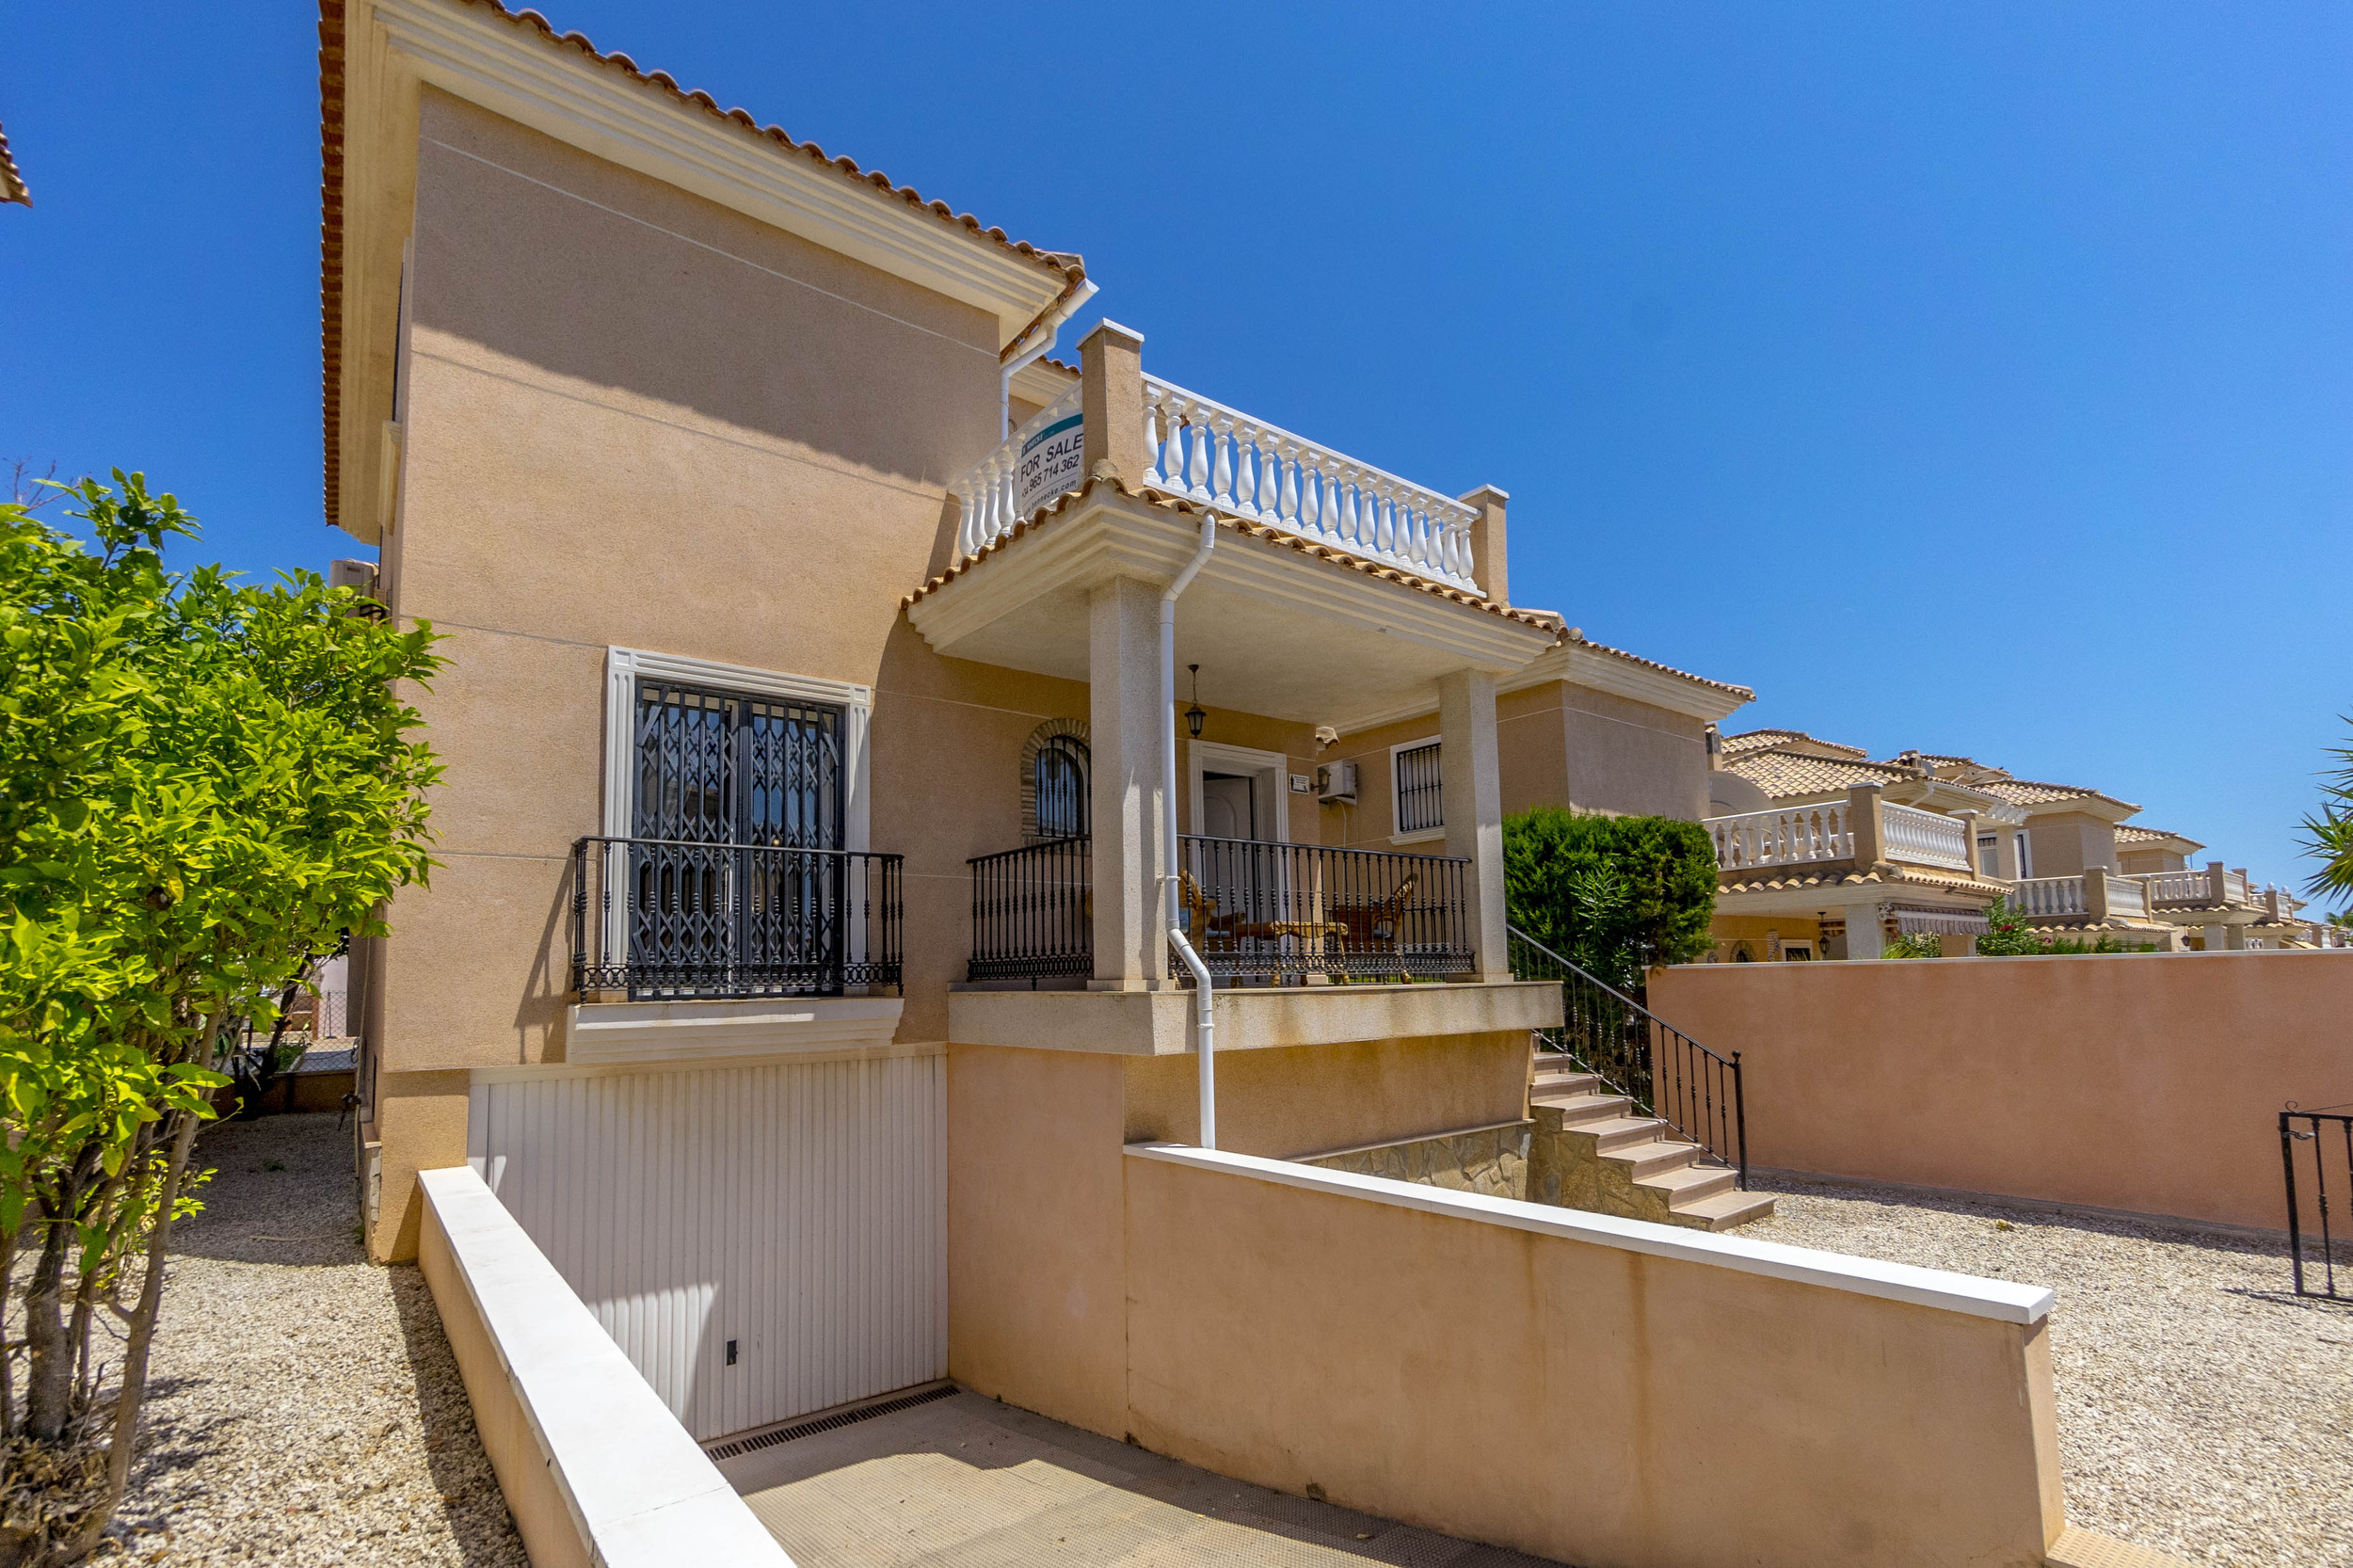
[{"x": 1194, "y": 715}]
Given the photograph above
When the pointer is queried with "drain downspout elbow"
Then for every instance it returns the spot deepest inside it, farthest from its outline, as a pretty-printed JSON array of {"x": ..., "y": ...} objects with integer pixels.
[{"x": 1203, "y": 1004}]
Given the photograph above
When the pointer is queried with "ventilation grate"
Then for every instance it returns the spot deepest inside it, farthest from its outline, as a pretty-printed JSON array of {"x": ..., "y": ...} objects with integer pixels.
[{"x": 737, "y": 1447}]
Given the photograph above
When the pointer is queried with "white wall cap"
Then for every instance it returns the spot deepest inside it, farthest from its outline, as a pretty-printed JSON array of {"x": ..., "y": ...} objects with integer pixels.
[
  {"x": 1981, "y": 1298},
  {"x": 641, "y": 1491}
]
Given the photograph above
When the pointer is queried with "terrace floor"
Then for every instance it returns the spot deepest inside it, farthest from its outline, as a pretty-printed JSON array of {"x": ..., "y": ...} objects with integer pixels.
[
  {"x": 2204, "y": 1410},
  {"x": 964, "y": 1481}
]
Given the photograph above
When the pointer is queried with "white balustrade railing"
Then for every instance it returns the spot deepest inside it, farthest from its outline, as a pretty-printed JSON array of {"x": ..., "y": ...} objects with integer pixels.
[
  {"x": 1200, "y": 448},
  {"x": 990, "y": 488},
  {"x": 1924, "y": 838},
  {"x": 2127, "y": 896},
  {"x": 1785, "y": 838},
  {"x": 2180, "y": 888},
  {"x": 2051, "y": 897}
]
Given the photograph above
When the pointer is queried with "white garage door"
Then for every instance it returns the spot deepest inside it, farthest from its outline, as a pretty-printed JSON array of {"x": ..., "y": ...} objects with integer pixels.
[{"x": 761, "y": 1240}]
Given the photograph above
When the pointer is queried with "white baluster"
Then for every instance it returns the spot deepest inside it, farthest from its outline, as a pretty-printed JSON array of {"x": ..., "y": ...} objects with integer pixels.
[
  {"x": 1151, "y": 440},
  {"x": 1197, "y": 470},
  {"x": 1348, "y": 535},
  {"x": 1246, "y": 470},
  {"x": 1288, "y": 502},
  {"x": 1385, "y": 524},
  {"x": 1316, "y": 515},
  {"x": 1221, "y": 464}
]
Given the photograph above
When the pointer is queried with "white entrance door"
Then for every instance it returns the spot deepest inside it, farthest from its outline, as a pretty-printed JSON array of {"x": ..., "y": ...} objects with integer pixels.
[{"x": 762, "y": 1240}]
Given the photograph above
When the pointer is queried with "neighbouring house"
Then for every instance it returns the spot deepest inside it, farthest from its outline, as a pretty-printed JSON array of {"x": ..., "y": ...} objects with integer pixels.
[
  {"x": 956, "y": 865},
  {"x": 2064, "y": 854},
  {"x": 1823, "y": 854}
]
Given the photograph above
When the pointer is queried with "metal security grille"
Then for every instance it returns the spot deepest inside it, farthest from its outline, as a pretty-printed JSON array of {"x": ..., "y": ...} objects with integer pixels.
[
  {"x": 732, "y": 793},
  {"x": 1419, "y": 806},
  {"x": 1061, "y": 776},
  {"x": 717, "y": 768}
]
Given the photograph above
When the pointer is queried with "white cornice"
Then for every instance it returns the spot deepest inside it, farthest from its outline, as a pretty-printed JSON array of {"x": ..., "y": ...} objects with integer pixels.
[
  {"x": 1582, "y": 666},
  {"x": 513, "y": 72}
]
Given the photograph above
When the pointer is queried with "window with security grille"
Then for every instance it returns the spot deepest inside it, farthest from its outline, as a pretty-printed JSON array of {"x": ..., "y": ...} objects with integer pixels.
[
  {"x": 737, "y": 805},
  {"x": 1060, "y": 774},
  {"x": 1418, "y": 807}
]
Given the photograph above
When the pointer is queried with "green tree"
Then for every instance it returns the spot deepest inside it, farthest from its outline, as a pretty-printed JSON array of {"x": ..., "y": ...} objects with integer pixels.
[
  {"x": 1614, "y": 895},
  {"x": 2328, "y": 834},
  {"x": 203, "y": 785}
]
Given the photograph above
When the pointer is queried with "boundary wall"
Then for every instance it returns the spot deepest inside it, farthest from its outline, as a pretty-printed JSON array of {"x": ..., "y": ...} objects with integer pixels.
[
  {"x": 2148, "y": 1082},
  {"x": 1580, "y": 1387},
  {"x": 595, "y": 1468}
]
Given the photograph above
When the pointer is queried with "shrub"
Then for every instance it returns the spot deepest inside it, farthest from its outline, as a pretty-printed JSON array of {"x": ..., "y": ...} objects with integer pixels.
[
  {"x": 1915, "y": 944},
  {"x": 1614, "y": 895}
]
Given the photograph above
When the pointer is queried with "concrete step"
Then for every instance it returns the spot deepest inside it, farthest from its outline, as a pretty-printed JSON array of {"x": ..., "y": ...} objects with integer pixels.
[
  {"x": 1621, "y": 1133},
  {"x": 1564, "y": 1082},
  {"x": 1721, "y": 1210},
  {"x": 1580, "y": 1110},
  {"x": 1649, "y": 1164},
  {"x": 1690, "y": 1183}
]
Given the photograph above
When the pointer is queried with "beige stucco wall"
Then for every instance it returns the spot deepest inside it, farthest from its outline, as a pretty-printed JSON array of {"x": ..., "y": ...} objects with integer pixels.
[
  {"x": 633, "y": 418},
  {"x": 1561, "y": 744},
  {"x": 1035, "y": 1243},
  {"x": 2068, "y": 843},
  {"x": 532, "y": 1498},
  {"x": 2150, "y": 1082},
  {"x": 1573, "y": 1400}
]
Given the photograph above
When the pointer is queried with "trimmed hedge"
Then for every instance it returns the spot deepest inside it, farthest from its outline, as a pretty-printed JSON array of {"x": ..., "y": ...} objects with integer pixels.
[{"x": 1611, "y": 894}]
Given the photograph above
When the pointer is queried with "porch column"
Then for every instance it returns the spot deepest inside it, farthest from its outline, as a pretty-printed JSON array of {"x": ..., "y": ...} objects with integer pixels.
[
  {"x": 1470, "y": 796},
  {"x": 1866, "y": 930},
  {"x": 1125, "y": 728}
]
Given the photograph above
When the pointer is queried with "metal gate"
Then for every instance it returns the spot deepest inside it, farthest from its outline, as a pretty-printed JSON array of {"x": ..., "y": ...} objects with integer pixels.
[
  {"x": 762, "y": 1240},
  {"x": 2319, "y": 1145}
]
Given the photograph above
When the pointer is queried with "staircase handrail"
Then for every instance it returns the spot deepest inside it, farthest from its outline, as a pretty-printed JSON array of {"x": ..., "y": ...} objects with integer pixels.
[
  {"x": 1593, "y": 980},
  {"x": 1686, "y": 1124}
]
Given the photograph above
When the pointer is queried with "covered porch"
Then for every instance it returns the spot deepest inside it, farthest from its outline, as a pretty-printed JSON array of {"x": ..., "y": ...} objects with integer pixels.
[{"x": 1391, "y": 606}]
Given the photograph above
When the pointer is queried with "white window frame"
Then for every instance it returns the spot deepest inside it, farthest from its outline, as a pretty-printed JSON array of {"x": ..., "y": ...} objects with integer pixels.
[
  {"x": 623, "y": 666},
  {"x": 2025, "y": 845},
  {"x": 1420, "y": 835}
]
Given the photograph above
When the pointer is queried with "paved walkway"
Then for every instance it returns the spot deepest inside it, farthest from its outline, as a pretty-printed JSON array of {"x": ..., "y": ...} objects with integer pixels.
[{"x": 964, "y": 1481}]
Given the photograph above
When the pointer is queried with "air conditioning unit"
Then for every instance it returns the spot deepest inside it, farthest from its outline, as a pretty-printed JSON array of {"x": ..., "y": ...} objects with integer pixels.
[
  {"x": 1336, "y": 783},
  {"x": 352, "y": 574}
]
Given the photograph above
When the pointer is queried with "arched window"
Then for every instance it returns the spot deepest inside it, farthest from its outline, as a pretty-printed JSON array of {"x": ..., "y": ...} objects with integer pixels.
[
  {"x": 1055, "y": 769},
  {"x": 1060, "y": 777}
]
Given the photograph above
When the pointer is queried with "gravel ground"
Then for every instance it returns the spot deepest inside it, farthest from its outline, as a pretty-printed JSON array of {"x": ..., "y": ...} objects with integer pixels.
[
  {"x": 304, "y": 1407},
  {"x": 2204, "y": 1410}
]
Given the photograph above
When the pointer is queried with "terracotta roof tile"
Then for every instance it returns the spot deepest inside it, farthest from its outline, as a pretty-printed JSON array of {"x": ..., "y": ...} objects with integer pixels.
[
  {"x": 331, "y": 22},
  {"x": 2028, "y": 792},
  {"x": 1904, "y": 876},
  {"x": 1543, "y": 620},
  {"x": 2132, "y": 833},
  {"x": 1780, "y": 774},
  {"x": 12, "y": 178},
  {"x": 1768, "y": 739},
  {"x": 1570, "y": 635}
]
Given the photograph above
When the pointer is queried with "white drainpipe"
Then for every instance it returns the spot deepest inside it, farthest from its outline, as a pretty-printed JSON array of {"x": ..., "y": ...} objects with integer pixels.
[
  {"x": 1203, "y": 1012},
  {"x": 1052, "y": 328}
]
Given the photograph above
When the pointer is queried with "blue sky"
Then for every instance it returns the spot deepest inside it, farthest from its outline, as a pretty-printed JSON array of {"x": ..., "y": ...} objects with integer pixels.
[{"x": 1974, "y": 378}]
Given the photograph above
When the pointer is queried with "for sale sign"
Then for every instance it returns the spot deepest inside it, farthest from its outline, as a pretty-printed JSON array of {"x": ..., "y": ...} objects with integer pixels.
[{"x": 1050, "y": 464}]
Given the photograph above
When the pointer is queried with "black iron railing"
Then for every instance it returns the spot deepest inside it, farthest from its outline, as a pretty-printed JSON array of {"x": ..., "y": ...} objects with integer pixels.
[
  {"x": 1034, "y": 912},
  {"x": 1665, "y": 1072},
  {"x": 1274, "y": 912},
  {"x": 2327, "y": 1139},
  {"x": 663, "y": 917}
]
